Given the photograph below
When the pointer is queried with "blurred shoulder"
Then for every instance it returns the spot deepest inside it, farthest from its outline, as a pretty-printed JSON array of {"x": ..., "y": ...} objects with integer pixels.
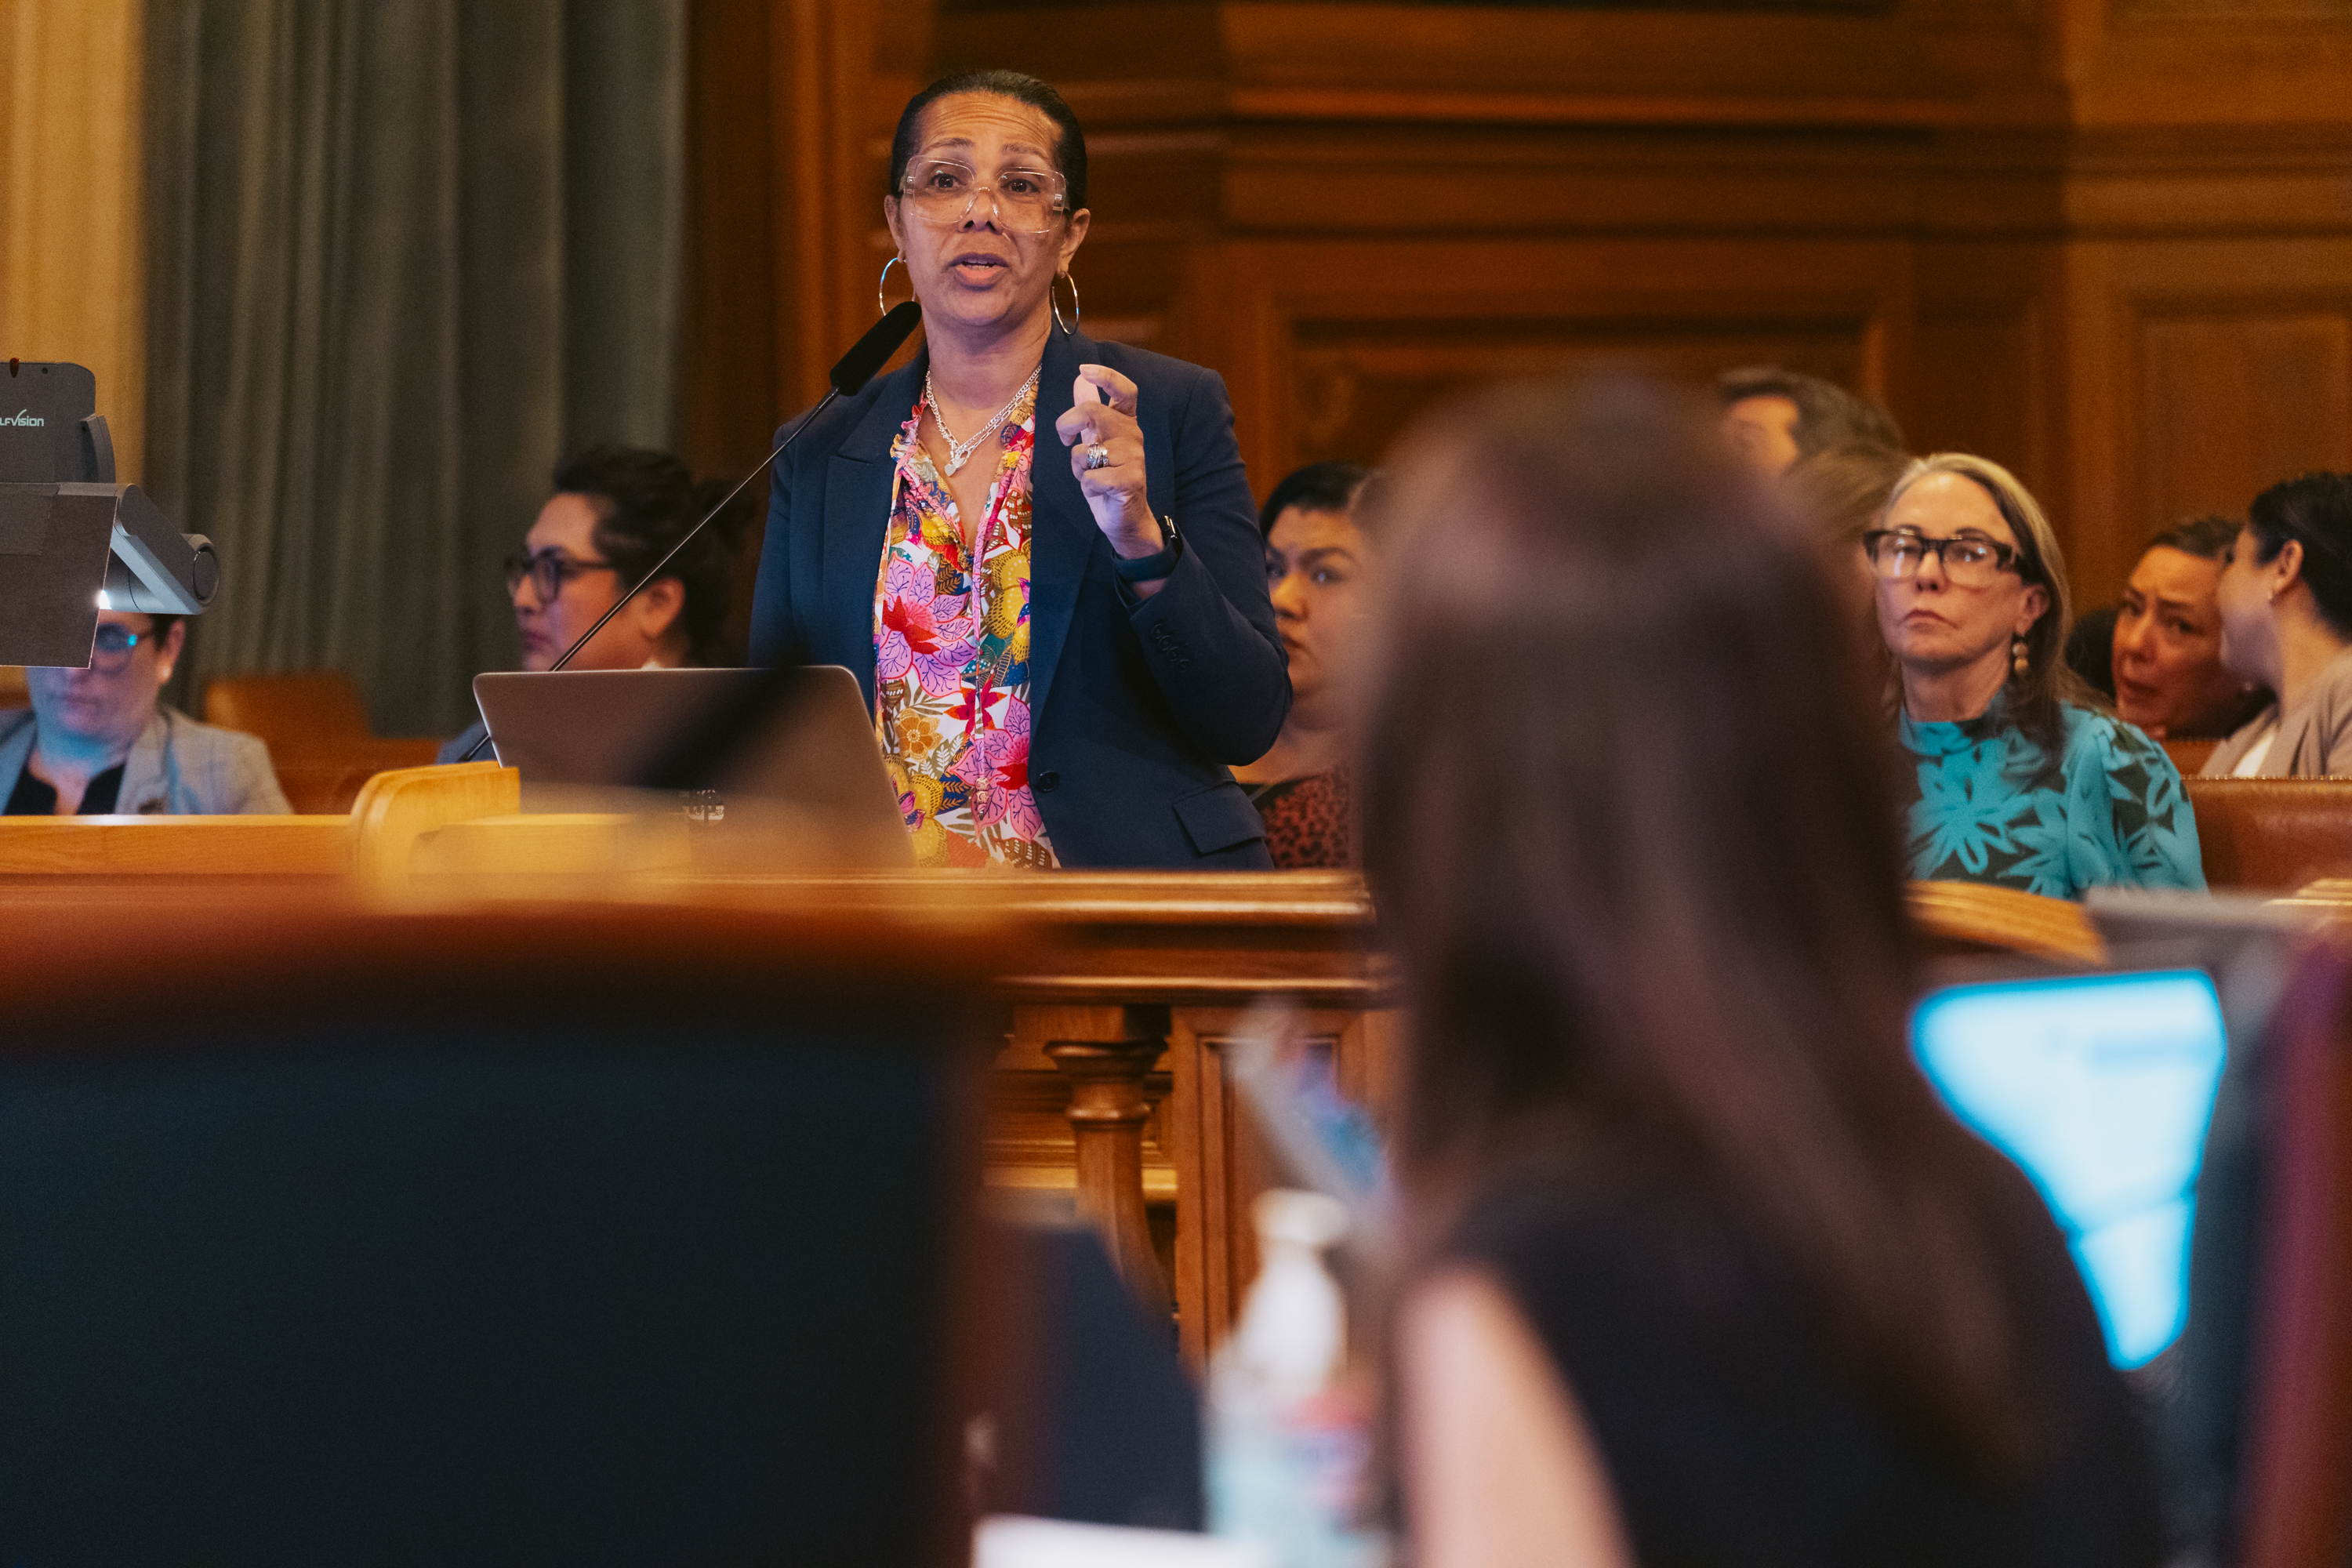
[{"x": 13, "y": 723}]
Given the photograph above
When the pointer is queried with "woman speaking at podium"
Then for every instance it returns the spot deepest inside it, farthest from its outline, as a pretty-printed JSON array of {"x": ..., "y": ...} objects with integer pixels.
[{"x": 1038, "y": 551}]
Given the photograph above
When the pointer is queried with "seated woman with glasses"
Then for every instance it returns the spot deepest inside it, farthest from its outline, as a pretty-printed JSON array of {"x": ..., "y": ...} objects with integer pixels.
[
  {"x": 97, "y": 743},
  {"x": 615, "y": 513},
  {"x": 1064, "y": 650},
  {"x": 2018, "y": 780}
]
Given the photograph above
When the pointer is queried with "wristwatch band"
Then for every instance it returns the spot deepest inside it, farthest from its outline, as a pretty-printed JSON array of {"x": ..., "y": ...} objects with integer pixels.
[{"x": 1150, "y": 568}]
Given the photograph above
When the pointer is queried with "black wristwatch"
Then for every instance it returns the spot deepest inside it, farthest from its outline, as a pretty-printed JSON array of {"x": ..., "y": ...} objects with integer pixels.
[{"x": 1150, "y": 568}]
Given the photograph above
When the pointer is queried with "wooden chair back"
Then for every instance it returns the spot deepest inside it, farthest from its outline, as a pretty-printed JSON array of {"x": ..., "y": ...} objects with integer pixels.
[
  {"x": 13, "y": 693},
  {"x": 2189, "y": 755},
  {"x": 2272, "y": 834},
  {"x": 315, "y": 727},
  {"x": 289, "y": 710},
  {"x": 1960, "y": 918}
]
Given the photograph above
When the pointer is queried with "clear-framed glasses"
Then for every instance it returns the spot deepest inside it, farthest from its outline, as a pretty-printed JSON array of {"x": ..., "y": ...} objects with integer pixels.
[
  {"x": 944, "y": 192},
  {"x": 112, "y": 651},
  {"x": 1970, "y": 562},
  {"x": 549, "y": 571}
]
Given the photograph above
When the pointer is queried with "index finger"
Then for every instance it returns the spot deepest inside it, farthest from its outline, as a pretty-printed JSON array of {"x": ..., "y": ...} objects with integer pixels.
[{"x": 1119, "y": 390}]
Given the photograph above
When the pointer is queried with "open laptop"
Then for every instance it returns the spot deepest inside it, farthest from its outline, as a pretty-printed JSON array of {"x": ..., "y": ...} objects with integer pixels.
[{"x": 787, "y": 756}]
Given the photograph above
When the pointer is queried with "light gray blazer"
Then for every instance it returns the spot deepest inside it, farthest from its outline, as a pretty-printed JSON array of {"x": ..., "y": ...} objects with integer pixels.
[
  {"x": 2314, "y": 740},
  {"x": 176, "y": 767}
]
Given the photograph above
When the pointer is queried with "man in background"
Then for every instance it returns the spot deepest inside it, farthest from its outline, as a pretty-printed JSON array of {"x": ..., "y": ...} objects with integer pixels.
[{"x": 1774, "y": 417}]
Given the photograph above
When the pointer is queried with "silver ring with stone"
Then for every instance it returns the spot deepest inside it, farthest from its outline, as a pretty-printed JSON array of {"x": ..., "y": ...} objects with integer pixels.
[{"x": 1098, "y": 456}]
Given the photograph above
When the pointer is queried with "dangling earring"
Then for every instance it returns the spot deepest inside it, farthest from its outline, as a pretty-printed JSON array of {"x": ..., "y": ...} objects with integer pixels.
[
  {"x": 881, "y": 307},
  {"x": 1077, "y": 313},
  {"x": 2019, "y": 661}
]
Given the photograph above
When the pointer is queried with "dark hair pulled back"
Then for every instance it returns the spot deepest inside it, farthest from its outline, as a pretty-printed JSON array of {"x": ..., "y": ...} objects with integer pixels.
[
  {"x": 1070, "y": 141},
  {"x": 2206, "y": 538},
  {"x": 645, "y": 501},
  {"x": 2316, "y": 511},
  {"x": 1318, "y": 487}
]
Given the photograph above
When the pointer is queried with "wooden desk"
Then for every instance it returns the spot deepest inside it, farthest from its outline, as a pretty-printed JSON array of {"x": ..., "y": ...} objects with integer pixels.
[{"x": 375, "y": 842}]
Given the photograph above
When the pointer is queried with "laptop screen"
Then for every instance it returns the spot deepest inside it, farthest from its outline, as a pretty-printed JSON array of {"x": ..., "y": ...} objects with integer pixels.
[{"x": 2100, "y": 1086}]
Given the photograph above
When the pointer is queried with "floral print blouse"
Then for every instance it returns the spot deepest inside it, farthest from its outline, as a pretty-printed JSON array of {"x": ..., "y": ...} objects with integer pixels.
[
  {"x": 951, "y": 659},
  {"x": 1985, "y": 806}
]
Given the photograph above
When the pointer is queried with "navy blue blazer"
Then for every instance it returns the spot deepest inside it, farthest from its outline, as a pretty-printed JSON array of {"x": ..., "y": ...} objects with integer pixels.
[{"x": 1138, "y": 704}]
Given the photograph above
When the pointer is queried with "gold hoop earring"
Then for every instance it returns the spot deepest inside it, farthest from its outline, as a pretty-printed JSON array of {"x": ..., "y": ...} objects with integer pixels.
[
  {"x": 1077, "y": 313},
  {"x": 881, "y": 307},
  {"x": 2019, "y": 660}
]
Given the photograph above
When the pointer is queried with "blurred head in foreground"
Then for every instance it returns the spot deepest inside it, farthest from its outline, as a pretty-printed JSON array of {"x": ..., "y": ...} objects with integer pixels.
[
  {"x": 2167, "y": 654},
  {"x": 615, "y": 513},
  {"x": 1626, "y": 813},
  {"x": 1774, "y": 417}
]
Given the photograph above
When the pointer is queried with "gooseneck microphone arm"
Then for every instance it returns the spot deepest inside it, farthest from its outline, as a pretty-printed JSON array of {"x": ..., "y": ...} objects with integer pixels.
[{"x": 857, "y": 367}]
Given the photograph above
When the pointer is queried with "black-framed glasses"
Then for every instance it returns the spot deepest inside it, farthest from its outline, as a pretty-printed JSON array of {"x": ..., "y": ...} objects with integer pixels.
[
  {"x": 1970, "y": 562},
  {"x": 111, "y": 650},
  {"x": 549, "y": 571}
]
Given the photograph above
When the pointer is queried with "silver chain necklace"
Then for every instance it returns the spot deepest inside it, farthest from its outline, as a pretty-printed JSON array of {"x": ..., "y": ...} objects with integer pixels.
[{"x": 960, "y": 452}]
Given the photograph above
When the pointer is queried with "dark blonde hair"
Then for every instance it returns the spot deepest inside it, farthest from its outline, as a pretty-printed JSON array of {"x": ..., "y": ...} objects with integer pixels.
[{"x": 1628, "y": 817}]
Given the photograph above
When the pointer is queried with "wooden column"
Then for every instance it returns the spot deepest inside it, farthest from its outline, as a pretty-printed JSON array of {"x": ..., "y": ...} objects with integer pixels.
[{"x": 1106, "y": 1053}]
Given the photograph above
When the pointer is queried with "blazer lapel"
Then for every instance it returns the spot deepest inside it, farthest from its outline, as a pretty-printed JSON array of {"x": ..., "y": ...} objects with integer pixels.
[
  {"x": 1063, "y": 531},
  {"x": 857, "y": 522},
  {"x": 145, "y": 789}
]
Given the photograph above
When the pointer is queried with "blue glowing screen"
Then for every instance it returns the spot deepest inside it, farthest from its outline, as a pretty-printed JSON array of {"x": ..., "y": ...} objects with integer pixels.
[{"x": 2100, "y": 1086}]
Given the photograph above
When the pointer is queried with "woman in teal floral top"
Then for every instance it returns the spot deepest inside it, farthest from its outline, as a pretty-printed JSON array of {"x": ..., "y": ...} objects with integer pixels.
[{"x": 2021, "y": 781}]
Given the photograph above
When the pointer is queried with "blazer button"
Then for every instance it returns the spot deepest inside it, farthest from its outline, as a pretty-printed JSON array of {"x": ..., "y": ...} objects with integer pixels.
[{"x": 1047, "y": 782}]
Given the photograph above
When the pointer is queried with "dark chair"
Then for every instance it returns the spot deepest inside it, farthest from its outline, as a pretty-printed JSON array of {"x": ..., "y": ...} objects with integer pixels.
[
  {"x": 315, "y": 727},
  {"x": 562, "y": 1233}
]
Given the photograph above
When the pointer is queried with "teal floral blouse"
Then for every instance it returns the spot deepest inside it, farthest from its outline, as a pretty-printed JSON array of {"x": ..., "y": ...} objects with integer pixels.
[{"x": 1984, "y": 807}]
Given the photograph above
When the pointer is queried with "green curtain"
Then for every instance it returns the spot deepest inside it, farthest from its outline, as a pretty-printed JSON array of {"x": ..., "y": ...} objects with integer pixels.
[{"x": 402, "y": 254}]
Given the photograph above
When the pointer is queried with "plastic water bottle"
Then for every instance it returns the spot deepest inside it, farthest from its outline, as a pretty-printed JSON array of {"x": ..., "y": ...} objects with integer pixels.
[{"x": 1290, "y": 1437}]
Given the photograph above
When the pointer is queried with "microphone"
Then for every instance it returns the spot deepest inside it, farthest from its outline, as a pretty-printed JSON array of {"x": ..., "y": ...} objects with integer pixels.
[{"x": 849, "y": 376}]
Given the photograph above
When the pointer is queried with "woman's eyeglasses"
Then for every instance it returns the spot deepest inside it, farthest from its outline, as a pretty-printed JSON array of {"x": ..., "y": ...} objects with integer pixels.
[
  {"x": 946, "y": 193},
  {"x": 1969, "y": 562},
  {"x": 549, "y": 571},
  {"x": 112, "y": 651}
]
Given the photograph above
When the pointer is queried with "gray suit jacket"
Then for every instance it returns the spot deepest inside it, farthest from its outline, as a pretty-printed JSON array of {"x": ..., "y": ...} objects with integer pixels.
[
  {"x": 2313, "y": 742},
  {"x": 176, "y": 767}
]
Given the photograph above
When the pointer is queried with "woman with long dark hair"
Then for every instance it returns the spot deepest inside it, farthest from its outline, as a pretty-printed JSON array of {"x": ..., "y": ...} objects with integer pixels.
[{"x": 1710, "y": 1275}]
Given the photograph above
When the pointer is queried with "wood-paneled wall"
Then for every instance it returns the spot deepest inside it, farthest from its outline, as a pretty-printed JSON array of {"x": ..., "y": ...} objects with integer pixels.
[{"x": 2107, "y": 242}]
